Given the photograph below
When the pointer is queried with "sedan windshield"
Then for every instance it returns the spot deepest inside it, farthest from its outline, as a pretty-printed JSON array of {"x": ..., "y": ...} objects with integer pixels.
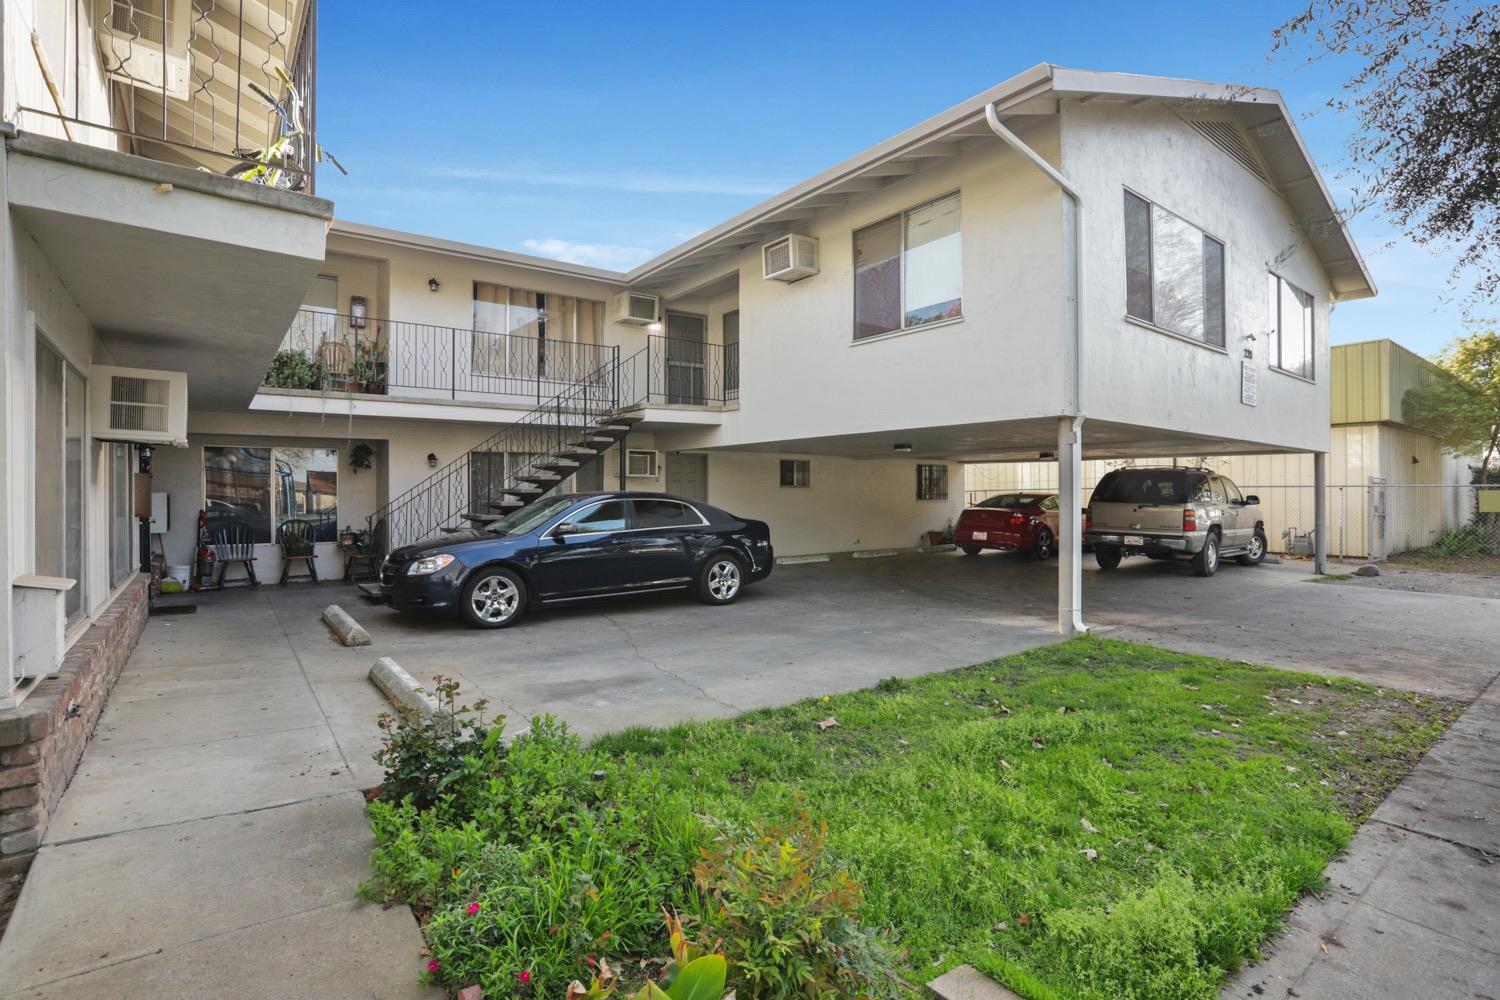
[
  {"x": 532, "y": 516},
  {"x": 1012, "y": 500}
]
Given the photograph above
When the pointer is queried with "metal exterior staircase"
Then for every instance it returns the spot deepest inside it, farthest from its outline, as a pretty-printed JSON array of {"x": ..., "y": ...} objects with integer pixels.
[{"x": 523, "y": 461}]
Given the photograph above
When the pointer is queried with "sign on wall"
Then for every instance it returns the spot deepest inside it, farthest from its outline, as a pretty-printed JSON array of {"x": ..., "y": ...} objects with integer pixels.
[{"x": 1249, "y": 383}]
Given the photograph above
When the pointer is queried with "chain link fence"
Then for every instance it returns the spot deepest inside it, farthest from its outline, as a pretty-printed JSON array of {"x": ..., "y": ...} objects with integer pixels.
[{"x": 1448, "y": 527}]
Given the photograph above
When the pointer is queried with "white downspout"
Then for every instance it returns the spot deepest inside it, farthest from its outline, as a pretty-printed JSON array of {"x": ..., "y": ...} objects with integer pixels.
[{"x": 1070, "y": 583}]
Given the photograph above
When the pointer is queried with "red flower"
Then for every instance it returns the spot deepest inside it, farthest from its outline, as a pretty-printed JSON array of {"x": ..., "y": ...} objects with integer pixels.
[
  {"x": 525, "y": 978},
  {"x": 432, "y": 966},
  {"x": 592, "y": 961},
  {"x": 473, "y": 908}
]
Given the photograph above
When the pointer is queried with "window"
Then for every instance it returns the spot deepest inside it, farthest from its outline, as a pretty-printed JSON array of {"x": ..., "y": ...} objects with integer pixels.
[
  {"x": 932, "y": 482},
  {"x": 1147, "y": 486},
  {"x": 1004, "y": 501},
  {"x": 908, "y": 270},
  {"x": 511, "y": 325},
  {"x": 261, "y": 488},
  {"x": 608, "y": 516},
  {"x": 640, "y": 464},
  {"x": 1232, "y": 492},
  {"x": 1174, "y": 273},
  {"x": 121, "y": 514},
  {"x": 796, "y": 472},
  {"x": 1291, "y": 311},
  {"x": 59, "y": 436},
  {"x": 664, "y": 514},
  {"x": 306, "y": 489}
]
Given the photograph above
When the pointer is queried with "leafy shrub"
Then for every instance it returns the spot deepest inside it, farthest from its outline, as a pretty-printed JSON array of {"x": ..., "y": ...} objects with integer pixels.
[
  {"x": 294, "y": 370},
  {"x": 788, "y": 914},
  {"x": 529, "y": 859},
  {"x": 422, "y": 755}
]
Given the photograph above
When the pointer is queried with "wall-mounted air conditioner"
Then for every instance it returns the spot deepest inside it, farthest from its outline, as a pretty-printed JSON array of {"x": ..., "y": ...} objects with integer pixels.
[
  {"x": 144, "y": 43},
  {"x": 636, "y": 307},
  {"x": 138, "y": 405},
  {"x": 790, "y": 258}
]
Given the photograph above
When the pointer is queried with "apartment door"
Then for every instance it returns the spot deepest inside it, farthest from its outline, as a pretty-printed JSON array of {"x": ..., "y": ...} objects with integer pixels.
[
  {"x": 686, "y": 336},
  {"x": 687, "y": 475}
]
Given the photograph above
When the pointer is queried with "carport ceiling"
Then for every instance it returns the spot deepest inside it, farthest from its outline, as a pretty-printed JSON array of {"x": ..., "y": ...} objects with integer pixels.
[{"x": 1013, "y": 441}]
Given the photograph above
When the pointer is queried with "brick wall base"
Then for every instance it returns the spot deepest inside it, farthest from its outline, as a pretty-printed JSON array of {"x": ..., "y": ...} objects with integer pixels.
[{"x": 42, "y": 740}]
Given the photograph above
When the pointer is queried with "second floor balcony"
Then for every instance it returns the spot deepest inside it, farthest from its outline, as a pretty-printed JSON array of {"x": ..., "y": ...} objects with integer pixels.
[{"x": 327, "y": 352}]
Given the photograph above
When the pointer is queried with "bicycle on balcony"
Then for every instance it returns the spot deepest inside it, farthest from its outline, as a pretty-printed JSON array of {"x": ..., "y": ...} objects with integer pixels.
[{"x": 284, "y": 163}]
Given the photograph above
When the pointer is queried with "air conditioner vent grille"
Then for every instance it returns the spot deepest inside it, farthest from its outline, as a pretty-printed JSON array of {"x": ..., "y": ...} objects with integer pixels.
[
  {"x": 138, "y": 404},
  {"x": 1227, "y": 137},
  {"x": 778, "y": 256},
  {"x": 138, "y": 19}
]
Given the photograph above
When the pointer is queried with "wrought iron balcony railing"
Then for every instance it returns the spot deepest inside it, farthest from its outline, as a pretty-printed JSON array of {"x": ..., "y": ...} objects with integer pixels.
[
  {"x": 333, "y": 352},
  {"x": 181, "y": 79},
  {"x": 673, "y": 372}
]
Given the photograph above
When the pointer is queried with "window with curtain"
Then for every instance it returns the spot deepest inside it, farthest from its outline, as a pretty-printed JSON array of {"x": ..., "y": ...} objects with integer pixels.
[
  {"x": 1291, "y": 315},
  {"x": 908, "y": 269},
  {"x": 60, "y": 405},
  {"x": 511, "y": 323},
  {"x": 1174, "y": 273}
]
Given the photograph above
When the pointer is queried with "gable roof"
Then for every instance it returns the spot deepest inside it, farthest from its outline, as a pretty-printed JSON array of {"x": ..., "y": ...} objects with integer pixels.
[{"x": 1260, "y": 112}]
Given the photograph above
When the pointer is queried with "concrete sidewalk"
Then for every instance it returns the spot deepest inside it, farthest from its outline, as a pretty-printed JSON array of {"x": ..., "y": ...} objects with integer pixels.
[
  {"x": 1413, "y": 907},
  {"x": 214, "y": 837}
]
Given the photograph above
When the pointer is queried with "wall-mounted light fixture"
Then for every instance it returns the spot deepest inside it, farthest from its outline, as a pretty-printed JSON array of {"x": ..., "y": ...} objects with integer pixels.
[
  {"x": 903, "y": 447},
  {"x": 432, "y": 460},
  {"x": 653, "y": 328},
  {"x": 357, "y": 311},
  {"x": 433, "y": 284}
]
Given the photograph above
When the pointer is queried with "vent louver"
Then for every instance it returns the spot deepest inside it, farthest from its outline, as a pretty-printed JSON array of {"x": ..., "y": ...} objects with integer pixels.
[{"x": 1227, "y": 137}]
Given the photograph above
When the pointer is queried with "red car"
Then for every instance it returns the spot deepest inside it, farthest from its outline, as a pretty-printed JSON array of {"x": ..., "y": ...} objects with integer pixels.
[{"x": 1025, "y": 522}]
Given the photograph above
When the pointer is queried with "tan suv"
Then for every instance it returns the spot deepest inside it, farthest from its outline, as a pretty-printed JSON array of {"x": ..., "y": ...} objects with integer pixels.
[{"x": 1168, "y": 513}]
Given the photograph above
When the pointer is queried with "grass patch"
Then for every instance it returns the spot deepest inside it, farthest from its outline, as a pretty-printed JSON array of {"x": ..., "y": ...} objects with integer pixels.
[
  {"x": 1332, "y": 578},
  {"x": 966, "y": 804}
]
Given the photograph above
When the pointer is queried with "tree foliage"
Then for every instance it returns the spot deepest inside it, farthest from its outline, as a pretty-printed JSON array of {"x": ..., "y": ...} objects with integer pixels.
[
  {"x": 1461, "y": 407},
  {"x": 1426, "y": 102}
]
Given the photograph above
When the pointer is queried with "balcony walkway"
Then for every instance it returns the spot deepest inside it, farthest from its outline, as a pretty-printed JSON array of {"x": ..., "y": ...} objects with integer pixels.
[{"x": 212, "y": 841}]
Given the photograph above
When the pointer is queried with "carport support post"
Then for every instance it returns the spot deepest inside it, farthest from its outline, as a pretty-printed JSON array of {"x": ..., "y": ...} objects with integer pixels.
[
  {"x": 1070, "y": 526},
  {"x": 1320, "y": 513}
]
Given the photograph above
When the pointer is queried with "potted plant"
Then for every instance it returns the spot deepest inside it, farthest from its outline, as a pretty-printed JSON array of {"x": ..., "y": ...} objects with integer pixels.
[
  {"x": 368, "y": 374},
  {"x": 294, "y": 370},
  {"x": 932, "y": 538}
]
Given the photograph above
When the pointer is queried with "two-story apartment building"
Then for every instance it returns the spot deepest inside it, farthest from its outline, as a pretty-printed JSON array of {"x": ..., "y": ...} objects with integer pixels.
[{"x": 1070, "y": 264}]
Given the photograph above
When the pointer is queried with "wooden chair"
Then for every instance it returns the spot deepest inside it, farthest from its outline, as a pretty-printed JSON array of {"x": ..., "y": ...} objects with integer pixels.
[
  {"x": 370, "y": 559},
  {"x": 296, "y": 540},
  {"x": 337, "y": 359},
  {"x": 234, "y": 543}
]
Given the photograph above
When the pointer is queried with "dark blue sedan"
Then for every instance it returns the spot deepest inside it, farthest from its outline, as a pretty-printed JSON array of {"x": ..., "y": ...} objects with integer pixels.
[{"x": 576, "y": 547}]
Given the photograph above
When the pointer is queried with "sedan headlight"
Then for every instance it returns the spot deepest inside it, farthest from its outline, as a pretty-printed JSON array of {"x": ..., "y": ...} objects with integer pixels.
[{"x": 429, "y": 565}]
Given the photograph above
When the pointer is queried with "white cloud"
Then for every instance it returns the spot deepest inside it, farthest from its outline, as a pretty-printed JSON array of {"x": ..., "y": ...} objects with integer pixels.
[
  {"x": 606, "y": 255},
  {"x": 637, "y": 183}
]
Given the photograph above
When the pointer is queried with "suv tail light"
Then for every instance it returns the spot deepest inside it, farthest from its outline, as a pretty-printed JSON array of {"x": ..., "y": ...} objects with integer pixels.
[
  {"x": 1088, "y": 520},
  {"x": 1190, "y": 520}
]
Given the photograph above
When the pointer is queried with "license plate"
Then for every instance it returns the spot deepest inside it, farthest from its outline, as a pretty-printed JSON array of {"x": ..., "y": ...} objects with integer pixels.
[
  {"x": 981, "y": 536},
  {"x": 1134, "y": 540}
]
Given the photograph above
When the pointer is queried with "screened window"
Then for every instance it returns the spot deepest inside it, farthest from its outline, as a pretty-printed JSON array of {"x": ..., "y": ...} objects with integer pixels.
[
  {"x": 59, "y": 496},
  {"x": 908, "y": 270},
  {"x": 1291, "y": 311},
  {"x": 640, "y": 464},
  {"x": 1174, "y": 273},
  {"x": 663, "y": 514},
  {"x": 932, "y": 482},
  {"x": 796, "y": 473},
  {"x": 121, "y": 514}
]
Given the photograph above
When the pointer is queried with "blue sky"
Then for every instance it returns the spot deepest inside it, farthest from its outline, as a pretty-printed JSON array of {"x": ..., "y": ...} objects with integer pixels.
[{"x": 605, "y": 133}]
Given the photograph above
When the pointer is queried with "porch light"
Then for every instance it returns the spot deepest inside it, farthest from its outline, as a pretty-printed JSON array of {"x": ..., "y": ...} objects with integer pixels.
[
  {"x": 357, "y": 311},
  {"x": 432, "y": 460},
  {"x": 433, "y": 284},
  {"x": 901, "y": 447}
]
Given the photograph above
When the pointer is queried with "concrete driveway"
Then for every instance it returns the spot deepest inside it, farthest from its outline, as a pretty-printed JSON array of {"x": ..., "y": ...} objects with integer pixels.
[{"x": 213, "y": 836}]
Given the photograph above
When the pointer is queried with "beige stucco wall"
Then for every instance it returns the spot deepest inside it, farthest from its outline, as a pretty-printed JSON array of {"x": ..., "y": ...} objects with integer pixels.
[{"x": 1140, "y": 376}]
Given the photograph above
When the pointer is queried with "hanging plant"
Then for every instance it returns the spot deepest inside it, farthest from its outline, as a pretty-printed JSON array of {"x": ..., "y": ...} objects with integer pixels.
[{"x": 359, "y": 457}]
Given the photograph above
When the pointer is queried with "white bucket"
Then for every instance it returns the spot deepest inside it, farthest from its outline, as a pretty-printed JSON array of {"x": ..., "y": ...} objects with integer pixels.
[{"x": 179, "y": 573}]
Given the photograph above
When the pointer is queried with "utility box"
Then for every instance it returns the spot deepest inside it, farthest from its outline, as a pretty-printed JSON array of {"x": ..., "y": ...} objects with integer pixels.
[{"x": 161, "y": 513}]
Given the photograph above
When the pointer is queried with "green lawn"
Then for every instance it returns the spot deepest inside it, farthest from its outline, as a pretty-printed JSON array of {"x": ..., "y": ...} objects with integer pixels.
[{"x": 1091, "y": 819}]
